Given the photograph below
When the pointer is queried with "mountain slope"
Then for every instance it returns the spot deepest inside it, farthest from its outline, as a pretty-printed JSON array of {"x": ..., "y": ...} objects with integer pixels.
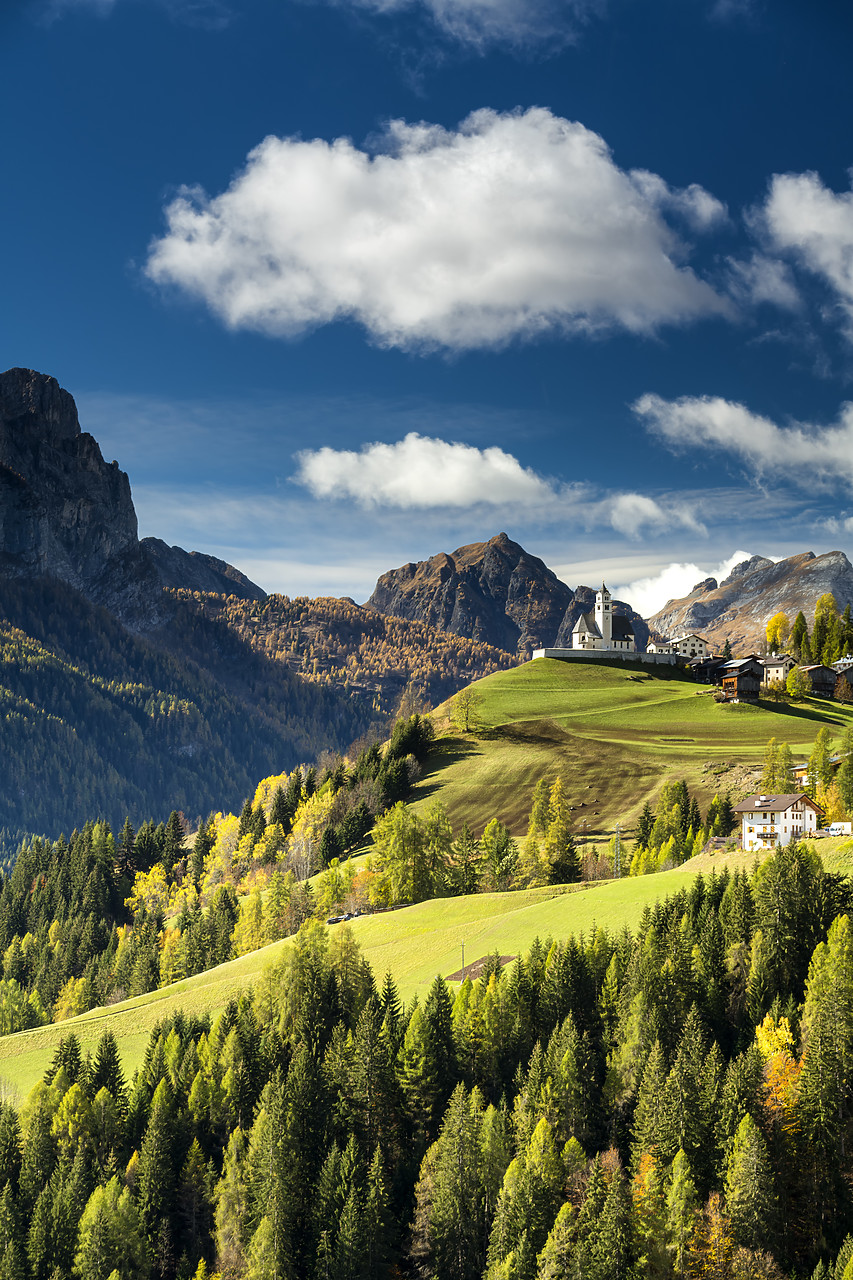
[
  {"x": 494, "y": 592},
  {"x": 67, "y": 514},
  {"x": 100, "y": 722},
  {"x": 614, "y": 732},
  {"x": 739, "y": 608}
]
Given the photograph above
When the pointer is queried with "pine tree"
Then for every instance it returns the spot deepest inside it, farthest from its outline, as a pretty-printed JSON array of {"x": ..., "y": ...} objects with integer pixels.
[
  {"x": 231, "y": 1206},
  {"x": 156, "y": 1174},
  {"x": 682, "y": 1214},
  {"x": 644, "y": 826},
  {"x": 750, "y": 1195},
  {"x": 769, "y": 773},
  {"x": 107, "y": 1072}
]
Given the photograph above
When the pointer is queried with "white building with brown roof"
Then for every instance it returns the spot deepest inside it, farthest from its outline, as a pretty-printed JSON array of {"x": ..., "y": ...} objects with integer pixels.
[
  {"x": 770, "y": 820},
  {"x": 601, "y": 629},
  {"x": 689, "y": 646},
  {"x": 777, "y": 667}
]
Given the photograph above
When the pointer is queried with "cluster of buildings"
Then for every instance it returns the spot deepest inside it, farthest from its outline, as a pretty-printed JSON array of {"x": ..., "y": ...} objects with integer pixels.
[{"x": 602, "y": 634}]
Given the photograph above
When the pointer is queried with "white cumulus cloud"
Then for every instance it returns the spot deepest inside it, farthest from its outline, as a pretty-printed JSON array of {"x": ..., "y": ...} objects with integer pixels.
[
  {"x": 421, "y": 472},
  {"x": 648, "y": 595},
  {"x": 802, "y": 453},
  {"x": 814, "y": 224},
  {"x": 509, "y": 227}
]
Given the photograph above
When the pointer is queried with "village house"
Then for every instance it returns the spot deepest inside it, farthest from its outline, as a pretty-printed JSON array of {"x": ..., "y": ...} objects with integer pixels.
[
  {"x": 823, "y": 680},
  {"x": 777, "y": 667},
  {"x": 770, "y": 820},
  {"x": 708, "y": 670},
  {"x": 686, "y": 646},
  {"x": 602, "y": 629},
  {"x": 741, "y": 679}
]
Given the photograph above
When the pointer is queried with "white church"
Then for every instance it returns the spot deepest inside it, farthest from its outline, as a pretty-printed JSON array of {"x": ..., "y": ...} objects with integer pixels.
[
  {"x": 603, "y": 634},
  {"x": 602, "y": 629}
]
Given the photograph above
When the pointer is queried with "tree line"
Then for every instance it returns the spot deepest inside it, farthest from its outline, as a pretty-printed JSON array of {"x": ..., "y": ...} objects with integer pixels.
[{"x": 672, "y": 1103}]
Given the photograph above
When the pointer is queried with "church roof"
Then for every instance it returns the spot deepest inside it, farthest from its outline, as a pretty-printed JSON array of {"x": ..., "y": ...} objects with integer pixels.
[
  {"x": 620, "y": 628},
  {"x": 587, "y": 622}
]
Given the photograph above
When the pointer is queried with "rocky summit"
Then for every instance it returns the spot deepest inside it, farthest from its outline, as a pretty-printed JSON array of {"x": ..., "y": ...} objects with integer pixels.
[
  {"x": 65, "y": 513},
  {"x": 494, "y": 592},
  {"x": 739, "y": 608}
]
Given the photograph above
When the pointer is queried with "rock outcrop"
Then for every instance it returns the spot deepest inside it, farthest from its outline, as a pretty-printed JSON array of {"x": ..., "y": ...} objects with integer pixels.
[
  {"x": 494, "y": 592},
  {"x": 67, "y": 514},
  {"x": 739, "y": 608}
]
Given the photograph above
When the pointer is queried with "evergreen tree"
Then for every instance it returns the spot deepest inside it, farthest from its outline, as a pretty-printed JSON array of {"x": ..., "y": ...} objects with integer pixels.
[
  {"x": 750, "y": 1195},
  {"x": 682, "y": 1213},
  {"x": 644, "y": 826}
]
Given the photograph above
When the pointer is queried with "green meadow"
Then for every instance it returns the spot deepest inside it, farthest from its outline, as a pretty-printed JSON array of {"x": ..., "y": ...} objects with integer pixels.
[
  {"x": 614, "y": 732},
  {"x": 413, "y": 943}
]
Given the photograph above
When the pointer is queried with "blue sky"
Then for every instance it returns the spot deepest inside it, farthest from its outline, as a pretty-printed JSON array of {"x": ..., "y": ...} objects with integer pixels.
[{"x": 344, "y": 283}]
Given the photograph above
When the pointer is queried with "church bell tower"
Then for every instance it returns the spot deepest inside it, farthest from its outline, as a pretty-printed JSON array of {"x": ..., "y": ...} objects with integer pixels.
[{"x": 603, "y": 616}]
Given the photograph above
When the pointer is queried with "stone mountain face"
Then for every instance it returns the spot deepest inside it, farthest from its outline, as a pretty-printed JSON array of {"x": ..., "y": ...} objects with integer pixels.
[
  {"x": 494, "y": 592},
  {"x": 68, "y": 514},
  {"x": 739, "y": 608}
]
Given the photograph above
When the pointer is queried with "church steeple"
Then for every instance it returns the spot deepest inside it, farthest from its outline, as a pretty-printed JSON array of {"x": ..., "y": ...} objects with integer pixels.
[{"x": 603, "y": 616}]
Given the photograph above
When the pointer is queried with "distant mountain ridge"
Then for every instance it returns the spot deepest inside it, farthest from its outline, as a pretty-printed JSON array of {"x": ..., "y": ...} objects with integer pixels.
[
  {"x": 494, "y": 592},
  {"x": 67, "y": 514},
  {"x": 739, "y": 608}
]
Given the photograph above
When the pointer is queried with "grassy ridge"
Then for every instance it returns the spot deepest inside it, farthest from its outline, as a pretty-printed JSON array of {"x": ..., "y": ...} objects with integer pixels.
[
  {"x": 613, "y": 732},
  {"x": 414, "y": 943}
]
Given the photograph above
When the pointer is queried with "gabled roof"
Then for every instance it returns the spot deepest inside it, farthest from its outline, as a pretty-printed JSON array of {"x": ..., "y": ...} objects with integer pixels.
[
  {"x": 620, "y": 628},
  {"x": 775, "y": 804},
  {"x": 589, "y": 624}
]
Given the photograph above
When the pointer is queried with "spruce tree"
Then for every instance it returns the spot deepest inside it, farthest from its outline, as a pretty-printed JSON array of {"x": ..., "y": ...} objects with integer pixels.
[{"x": 750, "y": 1194}]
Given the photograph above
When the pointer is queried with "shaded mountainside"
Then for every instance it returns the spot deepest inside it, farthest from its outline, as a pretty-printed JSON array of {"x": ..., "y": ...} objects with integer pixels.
[
  {"x": 494, "y": 592},
  {"x": 67, "y": 514},
  {"x": 97, "y": 721},
  {"x": 383, "y": 660},
  {"x": 136, "y": 677},
  {"x": 739, "y": 608}
]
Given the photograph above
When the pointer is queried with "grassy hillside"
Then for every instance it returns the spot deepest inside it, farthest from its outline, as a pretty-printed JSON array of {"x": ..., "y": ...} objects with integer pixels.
[
  {"x": 414, "y": 943},
  {"x": 614, "y": 732}
]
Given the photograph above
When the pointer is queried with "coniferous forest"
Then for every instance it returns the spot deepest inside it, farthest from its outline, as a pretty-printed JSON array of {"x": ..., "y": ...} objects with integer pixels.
[{"x": 669, "y": 1103}]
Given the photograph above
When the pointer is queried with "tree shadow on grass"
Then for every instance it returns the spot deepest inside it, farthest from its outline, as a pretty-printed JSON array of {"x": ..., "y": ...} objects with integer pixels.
[
  {"x": 799, "y": 712},
  {"x": 445, "y": 752}
]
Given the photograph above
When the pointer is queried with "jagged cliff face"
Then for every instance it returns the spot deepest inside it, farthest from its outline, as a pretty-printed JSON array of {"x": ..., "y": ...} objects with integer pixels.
[
  {"x": 739, "y": 608},
  {"x": 494, "y": 592},
  {"x": 63, "y": 510},
  {"x": 67, "y": 514}
]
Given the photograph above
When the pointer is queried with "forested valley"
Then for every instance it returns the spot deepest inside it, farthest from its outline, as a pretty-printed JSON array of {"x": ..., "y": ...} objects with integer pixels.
[{"x": 672, "y": 1103}]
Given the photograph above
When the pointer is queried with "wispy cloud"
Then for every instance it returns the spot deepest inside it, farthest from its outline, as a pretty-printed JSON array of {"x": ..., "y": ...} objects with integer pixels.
[
  {"x": 806, "y": 219},
  {"x": 480, "y": 23},
  {"x": 803, "y": 454},
  {"x": 418, "y": 473},
  {"x": 512, "y": 226}
]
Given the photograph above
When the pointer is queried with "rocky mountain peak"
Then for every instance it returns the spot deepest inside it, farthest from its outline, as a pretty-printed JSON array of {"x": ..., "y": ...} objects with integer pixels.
[
  {"x": 66, "y": 513},
  {"x": 491, "y": 591},
  {"x": 35, "y": 404},
  {"x": 739, "y": 608},
  {"x": 745, "y": 567}
]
